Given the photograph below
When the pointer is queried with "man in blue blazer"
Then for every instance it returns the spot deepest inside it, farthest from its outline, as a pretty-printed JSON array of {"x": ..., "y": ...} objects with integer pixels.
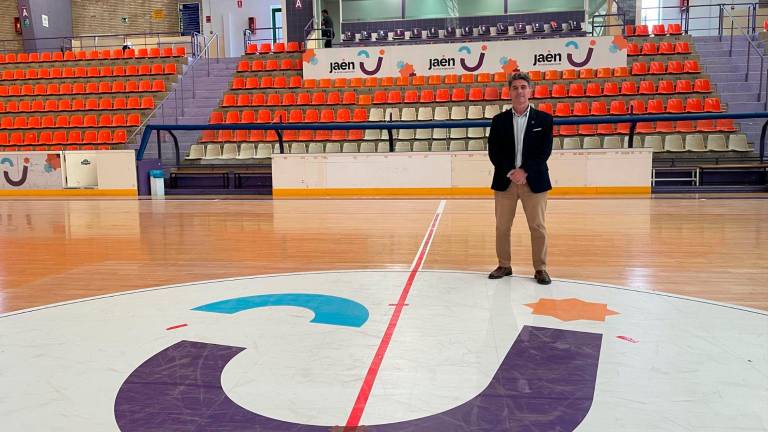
[{"x": 519, "y": 145}]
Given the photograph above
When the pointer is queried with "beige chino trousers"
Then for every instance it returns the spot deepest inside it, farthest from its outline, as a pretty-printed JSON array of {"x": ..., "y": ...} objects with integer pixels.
[{"x": 535, "y": 207}]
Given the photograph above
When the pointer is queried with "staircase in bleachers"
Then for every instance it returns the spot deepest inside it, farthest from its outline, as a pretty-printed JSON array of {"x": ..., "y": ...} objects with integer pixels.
[
  {"x": 266, "y": 67},
  {"x": 84, "y": 100},
  {"x": 728, "y": 73},
  {"x": 198, "y": 104}
]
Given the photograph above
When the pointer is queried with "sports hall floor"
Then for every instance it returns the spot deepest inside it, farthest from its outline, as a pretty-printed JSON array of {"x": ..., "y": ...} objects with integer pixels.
[{"x": 318, "y": 315}]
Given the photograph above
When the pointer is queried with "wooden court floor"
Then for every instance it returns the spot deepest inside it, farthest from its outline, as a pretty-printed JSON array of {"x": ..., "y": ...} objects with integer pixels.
[{"x": 59, "y": 250}]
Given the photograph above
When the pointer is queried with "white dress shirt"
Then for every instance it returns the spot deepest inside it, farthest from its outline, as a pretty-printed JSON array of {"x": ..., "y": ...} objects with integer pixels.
[{"x": 521, "y": 121}]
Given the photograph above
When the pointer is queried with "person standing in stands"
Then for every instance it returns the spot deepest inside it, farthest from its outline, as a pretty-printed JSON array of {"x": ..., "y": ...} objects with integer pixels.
[
  {"x": 519, "y": 145},
  {"x": 327, "y": 29}
]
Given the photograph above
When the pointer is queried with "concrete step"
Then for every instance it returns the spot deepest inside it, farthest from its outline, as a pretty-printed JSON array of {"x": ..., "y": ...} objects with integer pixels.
[
  {"x": 169, "y": 118},
  {"x": 202, "y": 90},
  {"x": 754, "y": 69},
  {"x": 191, "y": 105},
  {"x": 222, "y": 62},
  {"x": 200, "y": 94},
  {"x": 214, "y": 75},
  {"x": 716, "y": 39},
  {"x": 212, "y": 83},
  {"x": 735, "y": 60},
  {"x": 170, "y": 115},
  {"x": 736, "y": 98},
  {"x": 737, "y": 87},
  {"x": 198, "y": 68},
  {"x": 725, "y": 44},
  {"x": 730, "y": 77},
  {"x": 742, "y": 107},
  {"x": 203, "y": 96},
  {"x": 723, "y": 57},
  {"x": 193, "y": 120},
  {"x": 202, "y": 64}
]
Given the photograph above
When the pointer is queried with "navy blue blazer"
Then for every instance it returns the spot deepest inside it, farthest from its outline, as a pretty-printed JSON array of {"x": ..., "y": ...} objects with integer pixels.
[{"x": 537, "y": 147}]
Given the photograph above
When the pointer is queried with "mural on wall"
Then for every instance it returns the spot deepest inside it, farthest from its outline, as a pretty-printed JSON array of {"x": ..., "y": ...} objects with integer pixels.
[{"x": 30, "y": 171}]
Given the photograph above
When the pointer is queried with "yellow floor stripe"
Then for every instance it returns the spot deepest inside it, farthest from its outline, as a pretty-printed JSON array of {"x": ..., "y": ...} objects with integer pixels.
[
  {"x": 468, "y": 191},
  {"x": 68, "y": 192}
]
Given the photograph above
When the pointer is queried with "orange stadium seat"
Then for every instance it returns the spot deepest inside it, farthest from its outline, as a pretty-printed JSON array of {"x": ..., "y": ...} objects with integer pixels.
[
  {"x": 647, "y": 87},
  {"x": 593, "y": 89},
  {"x": 586, "y": 73},
  {"x": 666, "y": 48},
  {"x": 702, "y": 86},
  {"x": 683, "y": 86},
  {"x": 649, "y": 48},
  {"x": 599, "y": 108},
  {"x": 682, "y": 47},
  {"x": 559, "y": 91}
]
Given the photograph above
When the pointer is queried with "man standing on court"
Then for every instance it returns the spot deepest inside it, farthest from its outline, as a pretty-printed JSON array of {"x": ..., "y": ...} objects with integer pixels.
[{"x": 519, "y": 144}]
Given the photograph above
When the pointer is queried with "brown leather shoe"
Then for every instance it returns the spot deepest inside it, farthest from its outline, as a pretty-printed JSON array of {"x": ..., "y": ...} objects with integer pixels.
[
  {"x": 542, "y": 277},
  {"x": 500, "y": 272}
]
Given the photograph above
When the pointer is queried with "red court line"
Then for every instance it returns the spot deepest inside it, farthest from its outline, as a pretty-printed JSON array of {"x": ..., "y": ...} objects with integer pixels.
[
  {"x": 176, "y": 327},
  {"x": 353, "y": 421}
]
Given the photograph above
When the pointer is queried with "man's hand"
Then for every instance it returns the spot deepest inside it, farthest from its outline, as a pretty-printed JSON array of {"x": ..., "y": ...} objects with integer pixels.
[{"x": 518, "y": 176}]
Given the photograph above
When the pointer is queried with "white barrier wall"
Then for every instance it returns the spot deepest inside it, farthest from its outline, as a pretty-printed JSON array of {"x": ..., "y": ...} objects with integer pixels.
[
  {"x": 102, "y": 173},
  {"x": 621, "y": 171},
  {"x": 470, "y": 57}
]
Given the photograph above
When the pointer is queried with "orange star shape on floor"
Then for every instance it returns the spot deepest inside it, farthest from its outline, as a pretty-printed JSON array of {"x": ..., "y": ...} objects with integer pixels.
[{"x": 571, "y": 309}]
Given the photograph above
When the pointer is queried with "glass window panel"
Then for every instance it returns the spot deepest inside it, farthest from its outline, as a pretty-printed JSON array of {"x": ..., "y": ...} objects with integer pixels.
[
  {"x": 370, "y": 10},
  {"x": 452, "y": 8},
  {"x": 527, "y": 6}
]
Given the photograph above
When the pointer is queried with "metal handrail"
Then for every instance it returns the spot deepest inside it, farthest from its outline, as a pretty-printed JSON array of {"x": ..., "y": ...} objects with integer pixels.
[
  {"x": 685, "y": 18},
  {"x": 68, "y": 39},
  {"x": 446, "y": 124},
  {"x": 618, "y": 15},
  {"x": 248, "y": 32},
  {"x": 158, "y": 107},
  {"x": 174, "y": 93},
  {"x": 750, "y": 45},
  {"x": 594, "y": 12},
  {"x": 307, "y": 30},
  {"x": 190, "y": 68}
]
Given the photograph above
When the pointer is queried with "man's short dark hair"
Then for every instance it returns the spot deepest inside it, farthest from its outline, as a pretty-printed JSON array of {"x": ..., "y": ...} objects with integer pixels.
[
  {"x": 519, "y": 76},
  {"x": 325, "y": 11}
]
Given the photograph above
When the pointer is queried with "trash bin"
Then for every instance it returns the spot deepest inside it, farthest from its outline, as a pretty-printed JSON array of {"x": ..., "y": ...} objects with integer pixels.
[{"x": 157, "y": 183}]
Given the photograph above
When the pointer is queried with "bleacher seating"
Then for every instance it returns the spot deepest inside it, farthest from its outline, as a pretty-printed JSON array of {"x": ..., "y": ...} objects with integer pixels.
[
  {"x": 81, "y": 100},
  {"x": 466, "y": 33},
  {"x": 670, "y": 81}
]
